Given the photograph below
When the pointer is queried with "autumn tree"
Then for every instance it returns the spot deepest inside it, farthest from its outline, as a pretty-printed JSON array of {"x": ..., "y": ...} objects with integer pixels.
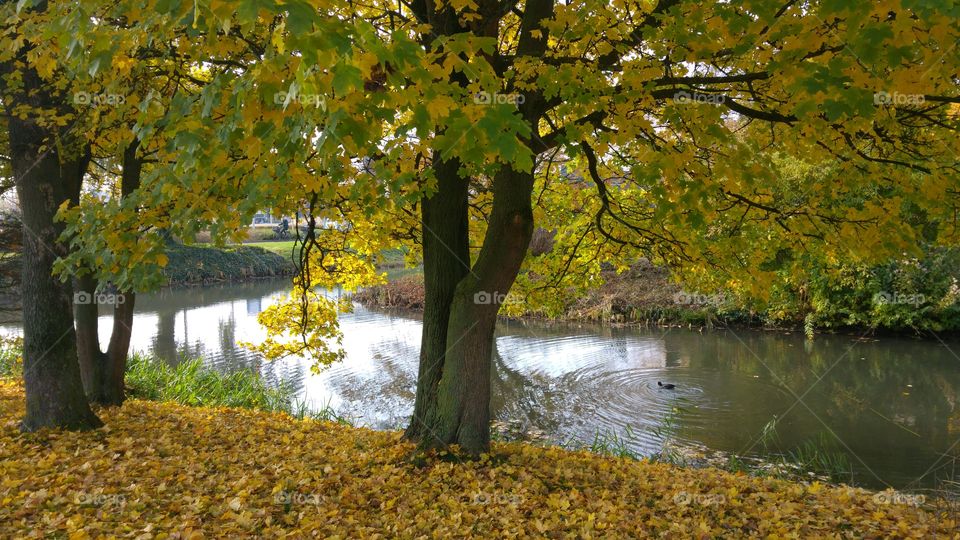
[
  {"x": 628, "y": 129},
  {"x": 116, "y": 101},
  {"x": 672, "y": 111},
  {"x": 48, "y": 161},
  {"x": 162, "y": 82},
  {"x": 625, "y": 128},
  {"x": 80, "y": 91}
]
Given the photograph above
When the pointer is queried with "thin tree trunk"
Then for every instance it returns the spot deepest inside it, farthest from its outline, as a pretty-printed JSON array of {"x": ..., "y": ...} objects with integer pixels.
[
  {"x": 90, "y": 356},
  {"x": 103, "y": 372},
  {"x": 463, "y": 399},
  {"x": 113, "y": 392},
  {"x": 116, "y": 357},
  {"x": 446, "y": 260}
]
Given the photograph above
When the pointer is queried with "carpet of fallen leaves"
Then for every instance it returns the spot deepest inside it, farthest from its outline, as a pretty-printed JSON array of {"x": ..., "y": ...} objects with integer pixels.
[{"x": 166, "y": 471}]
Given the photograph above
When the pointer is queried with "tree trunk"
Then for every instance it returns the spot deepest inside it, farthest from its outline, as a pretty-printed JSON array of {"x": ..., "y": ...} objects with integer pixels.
[
  {"x": 51, "y": 373},
  {"x": 92, "y": 360},
  {"x": 463, "y": 399},
  {"x": 48, "y": 165},
  {"x": 446, "y": 260},
  {"x": 453, "y": 390},
  {"x": 113, "y": 392},
  {"x": 103, "y": 372}
]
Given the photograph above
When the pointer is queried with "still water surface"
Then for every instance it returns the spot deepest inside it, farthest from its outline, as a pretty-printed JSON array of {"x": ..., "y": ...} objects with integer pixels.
[{"x": 889, "y": 405}]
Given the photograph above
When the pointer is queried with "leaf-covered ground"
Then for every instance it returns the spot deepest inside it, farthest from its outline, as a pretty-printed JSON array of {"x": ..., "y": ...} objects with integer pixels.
[{"x": 167, "y": 471}]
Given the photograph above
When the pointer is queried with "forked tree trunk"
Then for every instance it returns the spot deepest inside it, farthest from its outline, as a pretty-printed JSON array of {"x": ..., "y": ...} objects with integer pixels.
[
  {"x": 463, "y": 401},
  {"x": 103, "y": 372},
  {"x": 453, "y": 391},
  {"x": 446, "y": 259}
]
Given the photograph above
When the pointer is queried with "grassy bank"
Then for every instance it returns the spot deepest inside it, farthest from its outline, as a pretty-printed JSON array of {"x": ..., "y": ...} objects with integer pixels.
[
  {"x": 195, "y": 264},
  {"x": 165, "y": 469},
  {"x": 391, "y": 261},
  {"x": 191, "y": 383}
]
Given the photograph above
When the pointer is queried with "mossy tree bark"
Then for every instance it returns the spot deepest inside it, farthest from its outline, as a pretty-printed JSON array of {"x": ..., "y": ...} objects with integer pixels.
[
  {"x": 463, "y": 401},
  {"x": 446, "y": 260},
  {"x": 48, "y": 167},
  {"x": 460, "y": 313}
]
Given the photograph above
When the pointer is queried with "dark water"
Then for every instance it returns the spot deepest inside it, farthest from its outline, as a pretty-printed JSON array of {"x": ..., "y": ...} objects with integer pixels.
[{"x": 890, "y": 406}]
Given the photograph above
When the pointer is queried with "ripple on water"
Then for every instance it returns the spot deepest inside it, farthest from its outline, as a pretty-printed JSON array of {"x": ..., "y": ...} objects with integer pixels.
[{"x": 704, "y": 402}]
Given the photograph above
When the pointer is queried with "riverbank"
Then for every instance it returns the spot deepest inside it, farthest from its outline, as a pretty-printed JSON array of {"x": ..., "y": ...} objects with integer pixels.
[
  {"x": 642, "y": 295},
  {"x": 645, "y": 295},
  {"x": 189, "y": 265},
  {"x": 167, "y": 469},
  {"x": 195, "y": 265}
]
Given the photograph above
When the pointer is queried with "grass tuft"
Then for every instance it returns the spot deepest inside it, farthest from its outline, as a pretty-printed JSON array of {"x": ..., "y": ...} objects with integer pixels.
[{"x": 194, "y": 384}]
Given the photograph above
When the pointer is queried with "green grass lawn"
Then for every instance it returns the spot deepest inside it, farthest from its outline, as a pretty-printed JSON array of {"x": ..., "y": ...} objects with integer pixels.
[
  {"x": 392, "y": 262},
  {"x": 281, "y": 247}
]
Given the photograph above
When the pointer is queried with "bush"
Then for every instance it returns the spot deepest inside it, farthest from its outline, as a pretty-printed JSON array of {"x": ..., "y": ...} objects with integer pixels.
[
  {"x": 918, "y": 294},
  {"x": 403, "y": 293},
  {"x": 11, "y": 357}
]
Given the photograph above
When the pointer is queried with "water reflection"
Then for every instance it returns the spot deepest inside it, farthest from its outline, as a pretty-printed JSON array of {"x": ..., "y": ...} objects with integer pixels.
[{"x": 890, "y": 405}]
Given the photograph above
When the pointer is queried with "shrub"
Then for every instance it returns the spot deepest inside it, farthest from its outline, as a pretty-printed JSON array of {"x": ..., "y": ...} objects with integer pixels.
[{"x": 11, "y": 357}]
